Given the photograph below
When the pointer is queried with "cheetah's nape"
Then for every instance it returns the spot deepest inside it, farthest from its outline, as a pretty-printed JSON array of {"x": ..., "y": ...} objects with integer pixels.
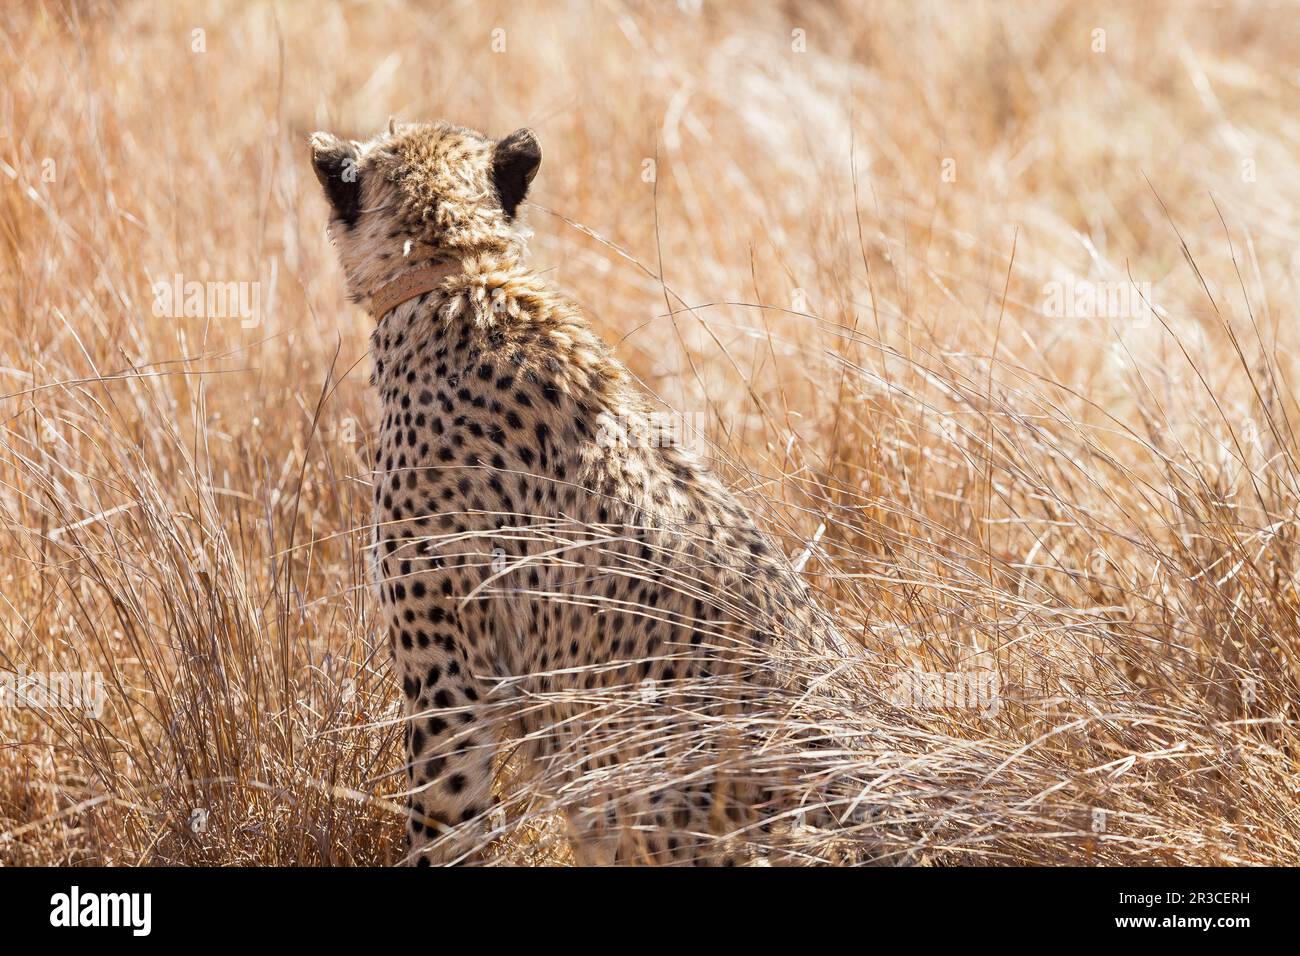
[{"x": 589, "y": 609}]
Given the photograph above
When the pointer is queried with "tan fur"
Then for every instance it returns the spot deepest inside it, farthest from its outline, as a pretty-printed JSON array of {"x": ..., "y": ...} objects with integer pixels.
[{"x": 539, "y": 570}]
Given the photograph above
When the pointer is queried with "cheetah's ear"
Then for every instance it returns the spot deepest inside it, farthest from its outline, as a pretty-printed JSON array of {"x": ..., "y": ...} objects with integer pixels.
[
  {"x": 514, "y": 164},
  {"x": 335, "y": 162}
]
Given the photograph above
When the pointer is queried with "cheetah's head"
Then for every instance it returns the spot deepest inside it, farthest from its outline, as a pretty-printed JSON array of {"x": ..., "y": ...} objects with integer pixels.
[{"x": 420, "y": 193}]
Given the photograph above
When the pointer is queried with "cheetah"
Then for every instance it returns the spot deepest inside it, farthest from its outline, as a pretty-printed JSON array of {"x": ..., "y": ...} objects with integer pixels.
[{"x": 558, "y": 593}]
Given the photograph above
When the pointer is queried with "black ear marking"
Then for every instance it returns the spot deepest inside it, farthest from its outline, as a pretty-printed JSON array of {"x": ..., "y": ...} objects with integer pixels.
[
  {"x": 335, "y": 163},
  {"x": 514, "y": 164}
]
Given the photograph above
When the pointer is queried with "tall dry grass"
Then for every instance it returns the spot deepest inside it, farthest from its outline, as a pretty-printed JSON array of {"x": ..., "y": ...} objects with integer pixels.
[{"x": 837, "y": 248}]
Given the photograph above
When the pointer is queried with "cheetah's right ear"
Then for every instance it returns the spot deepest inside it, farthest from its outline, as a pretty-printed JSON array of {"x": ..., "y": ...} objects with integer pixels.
[
  {"x": 335, "y": 162},
  {"x": 514, "y": 164}
]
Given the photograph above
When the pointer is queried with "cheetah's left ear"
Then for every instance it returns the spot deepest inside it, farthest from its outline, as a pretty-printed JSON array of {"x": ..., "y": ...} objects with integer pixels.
[{"x": 514, "y": 164}]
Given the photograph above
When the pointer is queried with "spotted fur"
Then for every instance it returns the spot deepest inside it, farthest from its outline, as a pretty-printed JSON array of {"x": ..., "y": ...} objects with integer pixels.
[{"x": 534, "y": 561}]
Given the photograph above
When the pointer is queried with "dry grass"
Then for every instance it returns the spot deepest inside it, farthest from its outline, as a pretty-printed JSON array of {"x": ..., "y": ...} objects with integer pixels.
[{"x": 1103, "y": 510}]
